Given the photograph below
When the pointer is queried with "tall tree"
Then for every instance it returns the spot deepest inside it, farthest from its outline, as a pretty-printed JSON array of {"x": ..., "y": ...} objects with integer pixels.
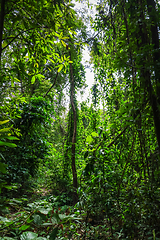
[
  {"x": 77, "y": 77},
  {"x": 34, "y": 54},
  {"x": 131, "y": 49},
  {"x": 125, "y": 53},
  {"x": 72, "y": 99}
]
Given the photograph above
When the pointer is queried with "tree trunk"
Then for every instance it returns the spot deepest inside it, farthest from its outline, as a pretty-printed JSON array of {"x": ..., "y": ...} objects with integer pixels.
[
  {"x": 74, "y": 172},
  {"x": 155, "y": 98},
  {"x": 151, "y": 6},
  {"x": 2, "y": 14},
  {"x": 146, "y": 75}
]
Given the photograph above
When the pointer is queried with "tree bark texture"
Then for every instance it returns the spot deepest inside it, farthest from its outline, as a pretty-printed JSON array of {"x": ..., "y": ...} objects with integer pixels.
[
  {"x": 74, "y": 172},
  {"x": 154, "y": 18},
  {"x": 153, "y": 95},
  {"x": 2, "y": 15}
]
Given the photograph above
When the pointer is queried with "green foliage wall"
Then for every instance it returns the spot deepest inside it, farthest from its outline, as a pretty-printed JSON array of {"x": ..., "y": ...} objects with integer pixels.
[{"x": 33, "y": 145}]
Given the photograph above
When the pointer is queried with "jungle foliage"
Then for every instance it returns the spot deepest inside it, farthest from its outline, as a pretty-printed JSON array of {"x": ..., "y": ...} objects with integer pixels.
[{"x": 70, "y": 169}]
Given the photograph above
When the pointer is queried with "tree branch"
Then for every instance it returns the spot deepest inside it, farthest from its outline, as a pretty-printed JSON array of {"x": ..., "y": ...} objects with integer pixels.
[
  {"x": 17, "y": 37},
  {"x": 51, "y": 86},
  {"x": 110, "y": 144}
]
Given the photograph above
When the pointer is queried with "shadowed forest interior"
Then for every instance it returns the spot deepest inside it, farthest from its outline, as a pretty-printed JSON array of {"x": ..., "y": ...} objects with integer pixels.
[{"x": 79, "y": 163}]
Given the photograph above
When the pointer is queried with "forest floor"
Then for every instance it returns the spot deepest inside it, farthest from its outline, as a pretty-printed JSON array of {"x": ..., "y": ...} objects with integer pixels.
[{"x": 40, "y": 214}]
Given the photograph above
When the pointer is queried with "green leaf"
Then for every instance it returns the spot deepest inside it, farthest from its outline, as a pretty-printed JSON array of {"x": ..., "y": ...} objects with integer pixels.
[
  {"x": 47, "y": 224},
  {"x": 6, "y": 238},
  {"x": 37, "y": 219},
  {"x": 63, "y": 43},
  {"x": 12, "y": 82},
  {"x": 9, "y": 187},
  {"x": 33, "y": 79},
  {"x": 29, "y": 220},
  {"x": 54, "y": 234},
  {"x": 16, "y": 201},
  {"x": 40, "y": 76},
  {"x": 89, "y": 139},
  {"x": 7, "y": 144},
  {"x": 28, "y": 235},
  {"x": 3, "y": 167},
  {"x": 12, "y": 138},
  {"x": 44, "y": 210},
  {"x": 2, "y": 156},
  {"x": 94, "y": 134},
  {"x": 65, "y": 218},
  {"x": 4, "y": 220},
  {"x": 4, "y": 44},
  {"x": 55, "y": 218},
  {"x": 3, "y": 122},
  {"x": 5, "y": 130},
  {"x": 41, "y": 238},
  {"x": 24, "y": 227},
  {"x": 60, "y": 67}
]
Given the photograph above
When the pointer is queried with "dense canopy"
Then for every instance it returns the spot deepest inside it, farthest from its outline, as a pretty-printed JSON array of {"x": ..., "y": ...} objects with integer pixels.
[{"x": 73, "y": 168}]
